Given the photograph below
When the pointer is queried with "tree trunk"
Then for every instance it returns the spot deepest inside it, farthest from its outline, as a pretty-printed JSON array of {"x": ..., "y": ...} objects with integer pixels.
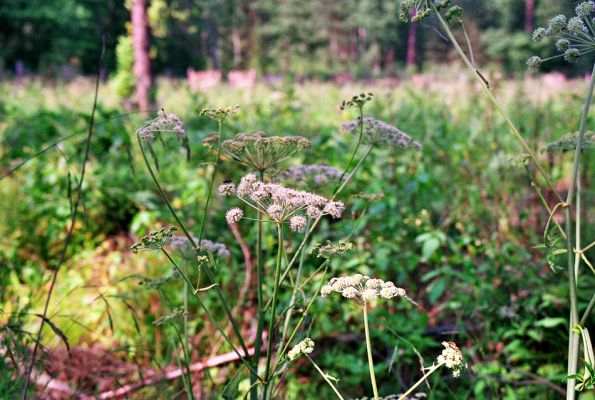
[
  {"x": 142, "y": 62},
  {"x": 529, "y": 15},
  {"x": 411, "y": 42}
]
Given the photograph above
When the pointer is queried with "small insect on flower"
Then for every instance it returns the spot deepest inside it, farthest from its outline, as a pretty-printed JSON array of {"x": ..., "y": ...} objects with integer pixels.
[
  {"x": 306, "y": 346},
  {"x": 154, "y": 240},
  {"x": 452, "y": 358}
]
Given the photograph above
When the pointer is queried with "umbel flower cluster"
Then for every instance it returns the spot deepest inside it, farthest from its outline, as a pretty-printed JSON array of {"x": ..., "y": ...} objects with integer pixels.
[
  {"x": 279, "y": 203},
  {"x": 574, "y": 36},
  {"x": 219, "y": 114},
  {"x": 306, "y": 346},
  {"x": 154, "y": 240},
  {"x": 417, "y": 10},
  {"x": 183, "y": 245},
  {"x": 379, "y": 132},
  {"x": 452, "y": 358},
  {"x": 362, "y": 287},
  {"x": 310, "y": 175},
  {"x": 163, "y": 123},
  {"x": 258, "y": 151}
]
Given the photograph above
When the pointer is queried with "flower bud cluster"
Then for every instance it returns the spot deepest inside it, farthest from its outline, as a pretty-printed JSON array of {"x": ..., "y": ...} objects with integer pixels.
[
  {"x": 258, "y": 151},
  {"x": 183, "y": 245},
  {"x": 452, "y": 358},
  {"x": 310, "y": 175},
  {"x": 163, "y": 123},
  {"x": 306, "y": 346},
  {"x": 573, "y": 36},
  {"x": 379, "y": 132},
  {"x": 219, "y": 114},
  {"x": 154, "y": 240},
  {"x": 362, "y": 287},
  {"x": 330, "y": 249}
]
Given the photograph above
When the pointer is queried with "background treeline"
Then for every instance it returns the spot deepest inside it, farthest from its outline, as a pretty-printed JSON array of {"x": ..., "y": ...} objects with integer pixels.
[{"x": 306, "y": 38}]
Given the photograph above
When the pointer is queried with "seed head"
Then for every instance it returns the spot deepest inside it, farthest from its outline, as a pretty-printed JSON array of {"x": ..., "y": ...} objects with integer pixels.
[
  {"x": 452, "y": 358},
  {"x": 154, "y": 240},
  {"x": 163, "y": 123},
  {"x": 357, "y": 101},
  {"x": 534, "y": 62},
  {"x": 219, "y": 114}
]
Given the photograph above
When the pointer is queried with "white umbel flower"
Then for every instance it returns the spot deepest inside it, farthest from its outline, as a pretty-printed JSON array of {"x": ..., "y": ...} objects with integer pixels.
[{"x": 306, "y": 346}]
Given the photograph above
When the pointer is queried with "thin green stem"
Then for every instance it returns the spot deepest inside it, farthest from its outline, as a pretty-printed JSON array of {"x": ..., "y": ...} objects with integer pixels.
[
  {"x": 207, "y": 268},
  {"x": 271, "y": 337},
  {"x": 573, "y": 340},
  {"x": 260, "y": 298},
  {"x": 205, "y": 214},
  {"x": 369, "y": 350},
  {"x": 499, "y": 108},
  {"x": 209, "y": 315},
  {"x": 359, "y": 142},
  {"x": 325, "y": 377},
  {"x": 587, "y": 311},
  {"x": 422, "y": 380},
  {"x": 315, "y": 223},
  {"x": 302, "y": 318}
]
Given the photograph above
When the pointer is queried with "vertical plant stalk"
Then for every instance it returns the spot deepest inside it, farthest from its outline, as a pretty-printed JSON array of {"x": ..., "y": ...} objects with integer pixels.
[
  {"x": 70, "y": 233},
  {"x": 573, "y": 345},
  {"x": 325, "y": 377},
  {"x": 359, "y": 143},
  {"x": 268, "y": 374},
  {"x": 260, "y": 298},
  {"x": 573, "y": 340},
  {"x": 495, "y": 102},
  {"x": 431, "y": 370},
  {"x": 243, "y": 358},
  {"x": 207, "y": 268},
  {"x": 369, "y": 351}
]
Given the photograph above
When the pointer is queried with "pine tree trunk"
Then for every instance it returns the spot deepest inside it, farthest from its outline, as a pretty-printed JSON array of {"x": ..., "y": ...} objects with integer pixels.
[
  {"x": 142, "y": 62},
  {"x": 529, "y": 15}
]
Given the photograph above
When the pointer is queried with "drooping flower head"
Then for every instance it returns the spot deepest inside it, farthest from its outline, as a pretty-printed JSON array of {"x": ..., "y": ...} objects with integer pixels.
[
  {"x": 280, "y": 204},
  {"x": 376, "y": 132},
  {"x": 573, "y": 36},
  {"x": 306, "y": 346},
  {"x": 362, "y": 287},
  {"x": 154, "y": 240},
  {"x": 258, "y": 151},
  {"x": 163, "y": 123}
]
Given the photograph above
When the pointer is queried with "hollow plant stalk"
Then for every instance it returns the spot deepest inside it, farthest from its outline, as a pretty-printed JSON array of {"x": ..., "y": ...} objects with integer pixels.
[
  {"x": 369, "y": 351},
  {"x": 267, "y": 374},
  {"x": 573, "y": 345}
]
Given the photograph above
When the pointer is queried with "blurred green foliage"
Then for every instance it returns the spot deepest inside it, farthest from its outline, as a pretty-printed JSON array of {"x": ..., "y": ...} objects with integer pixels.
[{"x": 455, "y": 227}]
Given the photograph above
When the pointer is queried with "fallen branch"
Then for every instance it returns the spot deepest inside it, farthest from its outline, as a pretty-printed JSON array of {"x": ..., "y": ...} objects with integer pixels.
[{"x": 196, "y": 367}]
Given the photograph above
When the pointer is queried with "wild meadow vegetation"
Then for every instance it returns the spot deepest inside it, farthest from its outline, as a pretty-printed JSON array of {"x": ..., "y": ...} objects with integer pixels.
[{"x": 428, "y": 237}]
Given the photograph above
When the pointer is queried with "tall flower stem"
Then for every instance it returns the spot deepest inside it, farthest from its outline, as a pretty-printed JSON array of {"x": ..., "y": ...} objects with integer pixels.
[
  {"x": 369, "y": 350},
  {"x": 513, "y": 129},
  {"x": 431, "y": 370},
  {"x": 573, "y": 341},
  {"x": 315, "y": 223},
  {"x": 268, "y": 374},
  {"x": 260, "y": 297},
  {"x": 356, "y": 149},
  {"x": 207, "y": 268},
  {"x": 325, "y": 377}
]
